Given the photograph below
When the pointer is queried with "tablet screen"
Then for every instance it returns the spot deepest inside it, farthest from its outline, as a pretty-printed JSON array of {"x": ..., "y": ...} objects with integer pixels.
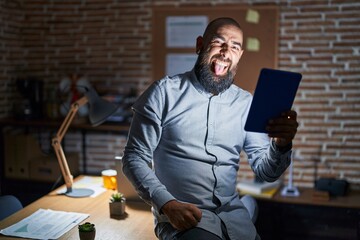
[{"x": 274, "y": 93}]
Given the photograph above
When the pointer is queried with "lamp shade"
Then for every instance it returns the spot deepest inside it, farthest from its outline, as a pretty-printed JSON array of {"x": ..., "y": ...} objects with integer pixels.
[{"x": 99, "y": 109}]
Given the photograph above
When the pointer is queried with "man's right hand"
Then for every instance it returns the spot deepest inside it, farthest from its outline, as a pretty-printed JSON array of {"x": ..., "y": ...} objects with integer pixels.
[{"x": 182, "y": 216}]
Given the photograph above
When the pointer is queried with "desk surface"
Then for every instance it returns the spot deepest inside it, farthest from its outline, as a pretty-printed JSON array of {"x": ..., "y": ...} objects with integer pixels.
[
  {"x": 138, "y": 221},
  {"x": 351, "y": 200},
  {"x": 136, "y": 224}
]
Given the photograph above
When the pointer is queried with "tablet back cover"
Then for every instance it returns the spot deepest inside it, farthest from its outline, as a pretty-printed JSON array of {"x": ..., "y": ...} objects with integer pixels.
[{"x": 274, "y": 93}]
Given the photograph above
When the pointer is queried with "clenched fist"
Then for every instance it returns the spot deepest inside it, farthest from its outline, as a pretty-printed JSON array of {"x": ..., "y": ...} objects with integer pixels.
[{"x": 182, "y": 216}]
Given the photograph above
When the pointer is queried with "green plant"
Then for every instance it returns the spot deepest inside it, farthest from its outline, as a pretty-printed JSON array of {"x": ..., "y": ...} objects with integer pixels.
[
  {"x": 87, "y": 227},
  {"x": 117, "y": 197}
]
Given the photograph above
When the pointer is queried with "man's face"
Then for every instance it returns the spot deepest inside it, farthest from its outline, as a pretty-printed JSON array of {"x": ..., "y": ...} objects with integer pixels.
[{"x": 220, "y": 52}]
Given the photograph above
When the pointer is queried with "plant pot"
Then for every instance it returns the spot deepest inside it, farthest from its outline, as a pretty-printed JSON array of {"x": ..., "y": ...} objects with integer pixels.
[
  {"x": 87, "y": 235},
  {"x": 117, "y": 208}
]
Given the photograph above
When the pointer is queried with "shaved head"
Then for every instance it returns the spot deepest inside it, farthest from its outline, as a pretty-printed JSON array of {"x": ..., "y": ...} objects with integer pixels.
[{"x": 217, "y": 23}]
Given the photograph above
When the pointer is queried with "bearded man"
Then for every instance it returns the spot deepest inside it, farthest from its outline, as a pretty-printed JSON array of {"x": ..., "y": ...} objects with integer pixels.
[{"x": 190, "y": 129}]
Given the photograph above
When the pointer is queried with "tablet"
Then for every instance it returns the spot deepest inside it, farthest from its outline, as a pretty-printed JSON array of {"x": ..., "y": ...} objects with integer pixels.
[{"x": 274, "y": 93}]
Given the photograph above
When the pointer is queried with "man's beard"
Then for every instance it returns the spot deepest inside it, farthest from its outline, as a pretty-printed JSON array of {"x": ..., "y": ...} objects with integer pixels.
[{"x": 212, "y": 84}]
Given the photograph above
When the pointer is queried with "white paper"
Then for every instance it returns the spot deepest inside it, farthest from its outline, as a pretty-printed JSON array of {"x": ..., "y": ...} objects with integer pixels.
[
  {"x": 179, "y": 63},
  {"x": 45, "y": 224},
  {"x": 182, "y": 31},
  {"x": 93, "y": 183}
]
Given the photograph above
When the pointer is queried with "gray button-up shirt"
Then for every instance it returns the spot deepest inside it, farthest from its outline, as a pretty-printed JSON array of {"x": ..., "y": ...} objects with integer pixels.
[{"x": 193, "y": 140}]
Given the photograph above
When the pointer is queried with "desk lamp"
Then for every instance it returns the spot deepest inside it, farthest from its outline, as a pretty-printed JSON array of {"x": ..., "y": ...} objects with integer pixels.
[
  {"x": 290, "y": 190},
  {"x": 99, "y": 111}
]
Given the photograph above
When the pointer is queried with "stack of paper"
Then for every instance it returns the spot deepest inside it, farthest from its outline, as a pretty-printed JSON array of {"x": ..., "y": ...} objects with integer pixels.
[
  {"x": 45, "y": 224},
  {"x": 259, "y": 189}
]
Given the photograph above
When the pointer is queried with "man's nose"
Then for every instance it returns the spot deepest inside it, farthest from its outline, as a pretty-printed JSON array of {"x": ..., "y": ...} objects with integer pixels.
[{"x": 224, "y": 51}]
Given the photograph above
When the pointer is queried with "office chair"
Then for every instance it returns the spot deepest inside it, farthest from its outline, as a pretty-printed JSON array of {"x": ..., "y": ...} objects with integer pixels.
[
  {"x": 9, "y": 204},
  {"x": 251, "y": 205}
]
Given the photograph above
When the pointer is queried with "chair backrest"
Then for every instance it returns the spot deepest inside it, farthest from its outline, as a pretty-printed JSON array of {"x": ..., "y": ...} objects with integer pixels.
[
  {"x": 9, "y": 204},
  {"x": 251, "y": 205}
]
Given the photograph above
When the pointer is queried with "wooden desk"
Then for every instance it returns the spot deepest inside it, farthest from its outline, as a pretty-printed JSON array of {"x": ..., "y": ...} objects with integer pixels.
[
  {"x": 136, "y": 224},
  {"x": 351, "y": 200},
  {"x": 303, "y": 218}
]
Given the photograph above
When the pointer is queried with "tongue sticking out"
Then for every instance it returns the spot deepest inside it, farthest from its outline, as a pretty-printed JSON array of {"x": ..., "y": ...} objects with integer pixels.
[{"x": 219, "y": 69}]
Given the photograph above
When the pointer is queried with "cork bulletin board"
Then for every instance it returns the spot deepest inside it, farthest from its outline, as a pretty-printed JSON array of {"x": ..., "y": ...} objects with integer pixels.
[{"x": 174, "y": 32}]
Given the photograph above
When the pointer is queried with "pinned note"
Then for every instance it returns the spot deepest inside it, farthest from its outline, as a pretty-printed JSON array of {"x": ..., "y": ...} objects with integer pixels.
[
  {"x": 252, "y": 16},
  {"x": 252, "y": 44}
]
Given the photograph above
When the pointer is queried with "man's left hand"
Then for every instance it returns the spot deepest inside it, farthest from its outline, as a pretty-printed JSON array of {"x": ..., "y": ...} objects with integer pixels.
[{"x": 283, "y": 128}]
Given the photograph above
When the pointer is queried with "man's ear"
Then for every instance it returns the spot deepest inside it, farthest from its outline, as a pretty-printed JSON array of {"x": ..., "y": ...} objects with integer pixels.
[{"x": 199, "y": 44}]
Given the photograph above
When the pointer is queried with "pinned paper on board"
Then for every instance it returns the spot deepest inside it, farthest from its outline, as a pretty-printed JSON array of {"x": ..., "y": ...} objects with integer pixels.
[
  {"x": 252, "y": 44},
  {"x": 252, "y": 16},
  {"x": 181, "y": 31},
  {"x": 179, "y": 62}
]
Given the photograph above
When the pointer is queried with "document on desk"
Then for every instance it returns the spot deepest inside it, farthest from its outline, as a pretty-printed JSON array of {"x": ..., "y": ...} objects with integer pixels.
[
  {"x": 45, "y": 224},
  {"x": 93, "y": 183}
]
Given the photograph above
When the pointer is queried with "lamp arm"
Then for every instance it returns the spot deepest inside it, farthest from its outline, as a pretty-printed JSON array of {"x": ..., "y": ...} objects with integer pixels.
[
  {"x": 56, "y": 142},
  {"x": 69, "y": 117}
]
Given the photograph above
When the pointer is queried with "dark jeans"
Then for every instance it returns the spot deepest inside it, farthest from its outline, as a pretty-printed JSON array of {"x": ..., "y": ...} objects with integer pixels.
[
  {"x": 165, "y": 231},
  {"x": 196, "y": 234}
]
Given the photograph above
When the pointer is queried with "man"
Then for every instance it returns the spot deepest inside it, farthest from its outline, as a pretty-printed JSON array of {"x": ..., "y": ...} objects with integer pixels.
[{"x": 190, "y": 127}]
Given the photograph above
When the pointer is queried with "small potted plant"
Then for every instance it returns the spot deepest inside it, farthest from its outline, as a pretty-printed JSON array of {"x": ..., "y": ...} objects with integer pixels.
[
  {"x": 87, "y": 231},
  {"x": 117, "y": 204}
]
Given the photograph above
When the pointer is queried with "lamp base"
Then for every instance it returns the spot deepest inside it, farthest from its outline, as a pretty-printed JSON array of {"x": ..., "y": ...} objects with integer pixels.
[
  {"x": 79, "y": 192},
  {"x": 290, "y": 191}
]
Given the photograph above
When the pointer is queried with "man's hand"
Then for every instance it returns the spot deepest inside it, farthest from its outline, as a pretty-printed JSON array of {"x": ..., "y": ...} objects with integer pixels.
[
  {"x": 182, "y": 216},
  {"x": 283, "y": 129}
]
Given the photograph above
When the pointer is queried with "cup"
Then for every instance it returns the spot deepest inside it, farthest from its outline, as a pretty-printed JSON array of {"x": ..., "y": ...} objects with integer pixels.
[{"x": 109, "y": 179}]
